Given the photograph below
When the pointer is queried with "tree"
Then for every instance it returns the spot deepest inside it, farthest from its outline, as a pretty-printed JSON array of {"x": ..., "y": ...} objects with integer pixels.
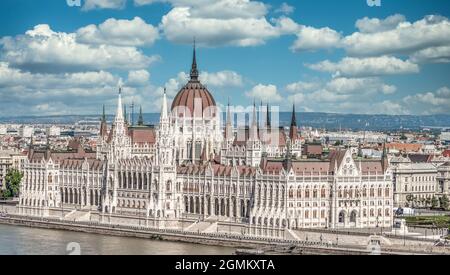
[
  {"x": 13, "y": 179},
  {"x": 434, "y": 203},
  {"x": 338, "y": 143},
  {"x": 428, "y": 201},
  {"x": 409, "y": 199},
  {"x": 444, "y": 202}
]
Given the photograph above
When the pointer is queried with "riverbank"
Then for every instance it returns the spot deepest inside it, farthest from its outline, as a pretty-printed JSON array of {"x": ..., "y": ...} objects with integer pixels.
[{"x": 269, "y": 245}]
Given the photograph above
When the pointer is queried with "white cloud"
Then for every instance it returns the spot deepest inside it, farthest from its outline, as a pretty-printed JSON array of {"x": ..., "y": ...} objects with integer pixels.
[
  {"x": 430, "y": 102},
  {"x": 374, "y": 25},
  {"x": 138, "y": 78},
  {"x": 309, "y": 38},
  {"x": 405, "y": 38},
  {"x": 266, "y": 93},
  {"x": 362, "y": 67},
  {"x": 301, "y": 86},
  {"x": 43, "y": 50},
  {"x": 432, "y": 55},
  {"x": 359, "y": 85},
  {"x": 240, "y": 23},
  {"x": 222, "y": 79},
  {"x": 285, "y": 8},
  {"x": 103, "y": 4},
  {"x": 133, "y": 32}
]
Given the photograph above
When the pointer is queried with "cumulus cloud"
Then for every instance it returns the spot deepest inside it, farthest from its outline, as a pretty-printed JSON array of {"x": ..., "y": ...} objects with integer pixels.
[
  {"x": 301, "y": 86},
  {"x": 374, "y": 25},
  {"x": 359, "y": 85},
  {"x": 240, "y": 23},
  {"x": 138, "y": 78},
  {"x": 267, "y": 93},
  {"x": 310, "y": 39},
  {"x": 429, "y": 103},
  {"x": 432, "y": 55},
  {"x": 285, "y": 8},
  {"x": 222, "y": 79},
  {"x": 362, "y": 67},
  {"x": 103, "y": 4},
  {"x": 135, "y": 32},
  {"x": 44, "y": 50},
  {"x": 25, "y": 93},
  {"x": 405, "y": 38}
]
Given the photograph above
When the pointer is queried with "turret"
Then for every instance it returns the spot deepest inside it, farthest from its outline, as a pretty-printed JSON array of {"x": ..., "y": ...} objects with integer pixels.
[
  {"x": 103, "y": 125},
  {"x": 229, "y": 125},
  {"x": 141, "y": 118}
]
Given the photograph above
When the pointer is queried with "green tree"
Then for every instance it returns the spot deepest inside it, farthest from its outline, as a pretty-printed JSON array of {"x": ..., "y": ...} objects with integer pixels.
[
  {"x": 427, "y": 201},
  {"x": 444, "y": 202},
  {"x": 434, "y": 203},
  {"x": 13, "y": 179}
]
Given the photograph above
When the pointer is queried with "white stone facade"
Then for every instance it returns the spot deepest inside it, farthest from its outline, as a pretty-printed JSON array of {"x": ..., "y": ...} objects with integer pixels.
[{"x": 192, "y": 168}]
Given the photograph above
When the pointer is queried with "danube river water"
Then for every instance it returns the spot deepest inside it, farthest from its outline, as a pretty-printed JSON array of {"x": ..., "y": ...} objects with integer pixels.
[{"x": 16, "y": 240}]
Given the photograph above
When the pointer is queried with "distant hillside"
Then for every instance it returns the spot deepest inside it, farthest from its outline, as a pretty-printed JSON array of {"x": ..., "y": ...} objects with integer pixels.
[{"x": 317, "y": 120}]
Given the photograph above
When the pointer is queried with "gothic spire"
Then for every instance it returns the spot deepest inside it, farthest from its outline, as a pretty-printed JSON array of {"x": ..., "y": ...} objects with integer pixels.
[
  {"x": 268, "y": 123},
  {"x": 194, "y": 70},
  {"x": 294, "y": 118},
  {"x": 164, "y": 114},
  {"x": 293, "y": 132},
  {"x": 104, "y": 114},
  {"x": 119, "y": 113},
  {"x": 125, "y": 114},
  {"x": 141, "y": 117}
]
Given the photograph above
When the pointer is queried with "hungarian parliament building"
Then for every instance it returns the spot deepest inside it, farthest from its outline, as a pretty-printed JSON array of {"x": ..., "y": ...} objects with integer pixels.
[{"x": 194, "y": 172}]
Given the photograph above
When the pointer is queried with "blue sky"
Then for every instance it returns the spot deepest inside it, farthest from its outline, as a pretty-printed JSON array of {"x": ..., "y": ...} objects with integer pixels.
[{"x": 324, "y": 55}]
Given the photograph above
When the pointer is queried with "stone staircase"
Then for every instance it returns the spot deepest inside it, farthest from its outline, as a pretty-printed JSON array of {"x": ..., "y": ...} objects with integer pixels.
[
  {"x": 79, "y": 215},
  {"x": 200, "y": 226}
]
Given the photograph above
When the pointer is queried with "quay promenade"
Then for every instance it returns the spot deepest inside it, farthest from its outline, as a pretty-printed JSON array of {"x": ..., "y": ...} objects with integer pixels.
[{"x": 269, "y": 245}]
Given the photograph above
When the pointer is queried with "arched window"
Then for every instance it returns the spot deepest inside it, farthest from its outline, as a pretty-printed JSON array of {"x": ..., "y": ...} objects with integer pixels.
[
  {"x": 299, "y": 193},
  {"x": 353, "y": 216},
  {"x": 291, "y": 193},
  {"x": 341, "y": 217},
  {"x": 323, "y": 193}
]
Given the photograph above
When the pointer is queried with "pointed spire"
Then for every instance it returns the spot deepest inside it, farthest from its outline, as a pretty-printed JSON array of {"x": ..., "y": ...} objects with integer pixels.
[
  {"x": 119, "y": 113},
  {"x": 268, "y": 122},
  {"x": 104, "y": 114},
  {"x": 293, "y": 132},
  {"x": 228, "y": 128},
  {"x": 141, "y": 117},
  {"x": 194, "y": 70},
  {"x": 228, "y": 112},
  {"x": 294, "y": 117},
  {"x": 164, "y": 114},
  {"x": 125, "y": 114},
  {"x": 254, "y": 122}
]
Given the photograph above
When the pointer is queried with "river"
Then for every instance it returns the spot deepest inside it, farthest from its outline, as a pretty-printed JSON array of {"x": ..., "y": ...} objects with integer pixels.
[{"x": 16, "y": 240}]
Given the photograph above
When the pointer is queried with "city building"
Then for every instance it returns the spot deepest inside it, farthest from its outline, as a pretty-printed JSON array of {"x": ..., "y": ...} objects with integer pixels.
[
  {"x": 26, "y": 131},
  {"x": 190, "y": 168},
  {"x": 10, "y": 159},
  {"x": 53, "y": 131}
]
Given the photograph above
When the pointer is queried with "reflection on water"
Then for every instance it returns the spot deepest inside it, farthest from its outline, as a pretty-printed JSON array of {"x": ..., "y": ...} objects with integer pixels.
[{"x": 24, "y": 240}]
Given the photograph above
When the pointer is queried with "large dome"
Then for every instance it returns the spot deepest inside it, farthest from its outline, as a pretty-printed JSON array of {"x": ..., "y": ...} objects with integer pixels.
[{"x": 194, "y": 97}]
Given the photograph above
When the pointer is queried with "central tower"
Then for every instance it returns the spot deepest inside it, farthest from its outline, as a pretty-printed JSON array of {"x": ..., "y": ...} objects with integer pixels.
[{"x": 196, "y": 120}]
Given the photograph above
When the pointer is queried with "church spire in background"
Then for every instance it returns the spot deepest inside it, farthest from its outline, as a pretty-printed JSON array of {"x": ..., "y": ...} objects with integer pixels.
[
  {"x": 194, "y": 70},
  {"x": 141, "y": 117}
]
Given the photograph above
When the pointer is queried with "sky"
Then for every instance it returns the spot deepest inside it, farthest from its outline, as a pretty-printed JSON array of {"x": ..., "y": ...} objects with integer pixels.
[{"x": 58, "y": 58}]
